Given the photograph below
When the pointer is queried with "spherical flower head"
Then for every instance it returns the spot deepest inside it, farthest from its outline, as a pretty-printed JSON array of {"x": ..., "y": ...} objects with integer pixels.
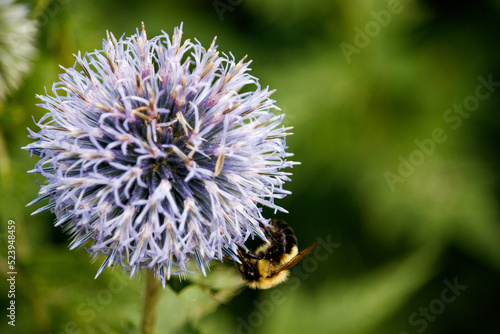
[
  {"x": 16, "y": 45},
  {"x": 153, "y": 156}
]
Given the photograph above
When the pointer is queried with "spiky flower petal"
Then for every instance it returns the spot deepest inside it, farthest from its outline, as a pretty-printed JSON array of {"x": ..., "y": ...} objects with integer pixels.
[{"x": 153, "y": 156}]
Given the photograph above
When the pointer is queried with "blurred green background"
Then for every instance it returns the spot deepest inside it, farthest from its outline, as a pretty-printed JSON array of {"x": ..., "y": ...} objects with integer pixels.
[{"x": 397, "y": 134}]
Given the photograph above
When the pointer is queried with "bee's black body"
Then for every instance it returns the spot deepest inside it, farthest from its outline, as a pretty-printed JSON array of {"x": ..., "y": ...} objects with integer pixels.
[{"x": 269, "y": 265}]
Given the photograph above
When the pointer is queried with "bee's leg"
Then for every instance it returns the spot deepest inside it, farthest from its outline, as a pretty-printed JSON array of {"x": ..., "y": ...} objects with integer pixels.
[
  {"x": 227, "y": 258},
  {"x": 244, "y": 254}
]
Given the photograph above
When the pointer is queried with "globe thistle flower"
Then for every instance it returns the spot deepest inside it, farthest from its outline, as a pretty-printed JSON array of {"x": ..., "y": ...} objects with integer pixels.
[
  {"x": 154, "y": 156},
  {"x": 16, "y": 45}
]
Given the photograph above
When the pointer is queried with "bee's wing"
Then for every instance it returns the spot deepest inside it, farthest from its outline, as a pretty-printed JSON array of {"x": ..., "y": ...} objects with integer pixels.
[{"x": 295, "y": 260}]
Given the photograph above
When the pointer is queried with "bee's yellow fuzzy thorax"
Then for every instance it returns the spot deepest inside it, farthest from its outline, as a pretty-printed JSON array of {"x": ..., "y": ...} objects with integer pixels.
[{"x": 266, "y": 269}]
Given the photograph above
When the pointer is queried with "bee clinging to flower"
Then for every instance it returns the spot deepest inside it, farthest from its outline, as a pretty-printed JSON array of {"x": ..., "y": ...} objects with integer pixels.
[{"x": 269, "y": 265}]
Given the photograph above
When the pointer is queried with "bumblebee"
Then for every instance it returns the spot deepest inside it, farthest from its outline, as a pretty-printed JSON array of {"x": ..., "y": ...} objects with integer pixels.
[{"x": 268, "y": 265}]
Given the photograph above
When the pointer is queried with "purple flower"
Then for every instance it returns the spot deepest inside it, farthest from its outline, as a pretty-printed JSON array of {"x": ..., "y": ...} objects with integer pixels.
[{"x": 153, "y": 156}]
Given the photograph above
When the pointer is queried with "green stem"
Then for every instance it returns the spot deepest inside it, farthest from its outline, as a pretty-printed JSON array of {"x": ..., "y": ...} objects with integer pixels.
[{"x": 150, "y": 302}]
